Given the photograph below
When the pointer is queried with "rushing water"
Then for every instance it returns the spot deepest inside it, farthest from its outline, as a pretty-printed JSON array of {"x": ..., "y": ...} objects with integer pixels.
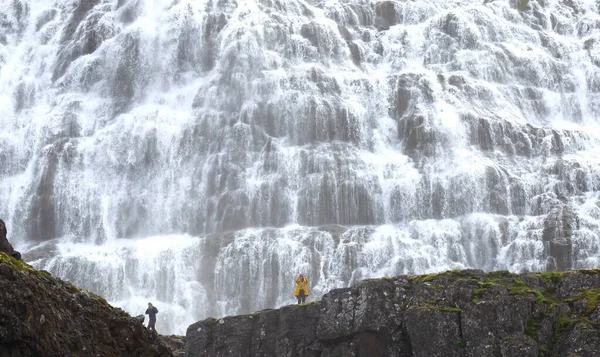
[{"x": 199, "y": 154}]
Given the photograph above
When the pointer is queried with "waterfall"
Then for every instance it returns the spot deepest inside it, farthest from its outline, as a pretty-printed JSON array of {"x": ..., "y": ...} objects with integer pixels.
[{"x": 200, "y": 154}]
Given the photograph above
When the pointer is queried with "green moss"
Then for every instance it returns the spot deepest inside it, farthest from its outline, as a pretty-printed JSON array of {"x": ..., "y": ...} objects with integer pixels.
[
  {"x": 592, "y": 297},
  {"x": 478, "y": 293},
  {"x": 565, "y": 323},
  {"x": 553, "y": 276},
  {"x": 44, "y": 274},
  {"x": 588, "y": 271},
  {"x": 295, "y": 306},
  {"x": 20, "y": 265},
  {"x": 122, "y": 312},
  {"x": 499, "y": 274},
  {"x": 515, "y": 286},
  {"x": 518, "y": 282},
  {"x": 72, "y": 288},
  {"x": 309, "y": 303},
  {"x": 462, "y": 344},
  {"x": 487, "y": 284},
  {"x": 518, "y": 287},
  {"x": 466, "y": 280},
  {"x": 420, "y": 279},
  {"x": 465, "y": 274},
  {"x": 468, "y": 274},
  {"x": 17, "y": 264},
  {"x": 532, "y": 328},
  {"x": 97, "y": 298},
  {"x": 365, "y": 282}
]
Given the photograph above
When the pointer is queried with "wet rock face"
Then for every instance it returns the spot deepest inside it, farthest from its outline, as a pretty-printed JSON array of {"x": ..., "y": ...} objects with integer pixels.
[
  {"x": 44, "y": 316},
  {"x": 458, "y": 313},
  {"x": 558, "y": 232}
]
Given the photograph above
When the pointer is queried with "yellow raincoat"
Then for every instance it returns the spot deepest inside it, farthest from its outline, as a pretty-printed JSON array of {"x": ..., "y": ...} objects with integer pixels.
[{"x": 303, "y": 286}]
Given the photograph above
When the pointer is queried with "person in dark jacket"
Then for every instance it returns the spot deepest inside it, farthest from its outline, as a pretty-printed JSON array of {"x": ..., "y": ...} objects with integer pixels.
[{"x": 151, "y": 311}]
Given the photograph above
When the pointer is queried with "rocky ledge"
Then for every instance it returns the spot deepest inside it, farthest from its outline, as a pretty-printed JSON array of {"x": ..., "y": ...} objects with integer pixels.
[
  {"x": 44, "y": 316},
  {"x": 457, "y": 313}
]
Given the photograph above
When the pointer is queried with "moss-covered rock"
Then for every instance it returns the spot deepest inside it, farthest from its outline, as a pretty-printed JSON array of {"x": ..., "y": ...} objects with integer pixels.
[
  {"x": 44, "y": 316},
  {"x": 464, "y": 313}
]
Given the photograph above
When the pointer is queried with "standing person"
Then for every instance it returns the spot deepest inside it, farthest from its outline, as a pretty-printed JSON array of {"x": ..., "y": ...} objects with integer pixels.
[
  {"x": 301, "y": 290},
  {"x": 151, "y": 311}
]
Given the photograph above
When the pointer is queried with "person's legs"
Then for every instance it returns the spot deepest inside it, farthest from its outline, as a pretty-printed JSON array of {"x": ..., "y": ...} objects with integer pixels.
[
  {"x": 151, "y": 325},
  {"x": 301, "y": 297}
]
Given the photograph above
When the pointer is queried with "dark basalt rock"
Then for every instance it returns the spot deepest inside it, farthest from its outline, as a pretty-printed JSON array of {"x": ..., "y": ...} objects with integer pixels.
[
  {"x": 385, "y": 13},
  {"x": 44, "y": 316},
  {"x": 176, "y": 344},
  {"x": 457, "y": 313},
  {"x": 5, "y": 245}
]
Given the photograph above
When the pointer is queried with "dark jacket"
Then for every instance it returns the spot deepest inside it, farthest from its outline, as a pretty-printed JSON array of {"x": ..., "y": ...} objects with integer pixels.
[{"x": 152, "y": 311}]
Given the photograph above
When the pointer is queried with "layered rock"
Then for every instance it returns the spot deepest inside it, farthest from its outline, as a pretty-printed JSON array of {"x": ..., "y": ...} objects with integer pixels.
[
  {"x": 458, "y": 313},
  {"x": 44, "y": 316}
]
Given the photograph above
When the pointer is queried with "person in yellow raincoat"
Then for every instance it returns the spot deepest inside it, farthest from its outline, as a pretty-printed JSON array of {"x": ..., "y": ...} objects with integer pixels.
[{"x": 301, "y": 290}]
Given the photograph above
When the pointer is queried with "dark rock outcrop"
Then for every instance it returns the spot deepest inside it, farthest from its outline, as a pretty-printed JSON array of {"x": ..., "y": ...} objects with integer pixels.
[
  {"x": 175, "y": 343},
  {"x": 44, "y": 316},
  {"x": 5, "y": 245},
  {"x": 458, "y": 313}
]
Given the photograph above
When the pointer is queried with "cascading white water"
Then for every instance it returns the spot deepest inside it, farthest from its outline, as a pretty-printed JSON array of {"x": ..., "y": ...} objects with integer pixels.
[{"x": 199, "y": 154}]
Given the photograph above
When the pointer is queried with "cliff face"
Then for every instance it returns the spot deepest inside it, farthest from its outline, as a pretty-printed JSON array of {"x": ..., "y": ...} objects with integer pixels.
[
  {"x": 464, "y": 313},
  {"x": 44, "y": 316}
]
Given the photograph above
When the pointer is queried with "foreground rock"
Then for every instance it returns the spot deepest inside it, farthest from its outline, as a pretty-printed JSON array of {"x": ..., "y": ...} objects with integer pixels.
[
  {"x": 460, "y": 313},
  {"x": 175, "y": 343},
  {"x": 5, "y": 245},
  {"x": 44, "y": 316}
]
